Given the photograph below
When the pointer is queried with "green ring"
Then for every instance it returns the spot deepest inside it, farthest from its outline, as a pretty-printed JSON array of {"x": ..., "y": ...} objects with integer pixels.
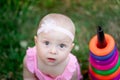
[{"x": 107, "y": 72}]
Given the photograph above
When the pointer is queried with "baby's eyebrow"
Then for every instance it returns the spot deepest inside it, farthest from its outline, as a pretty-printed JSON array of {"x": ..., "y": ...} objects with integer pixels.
[{"x": 64, "y": 41}]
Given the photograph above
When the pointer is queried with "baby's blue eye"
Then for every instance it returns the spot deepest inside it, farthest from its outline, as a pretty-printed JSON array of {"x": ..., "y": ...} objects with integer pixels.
[
  {"x": 46, "y": 42},
  {"x": 62, "y": 45}
]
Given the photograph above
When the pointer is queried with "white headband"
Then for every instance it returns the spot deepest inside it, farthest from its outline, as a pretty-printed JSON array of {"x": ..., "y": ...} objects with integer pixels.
[{"x": 49, "y": 24}]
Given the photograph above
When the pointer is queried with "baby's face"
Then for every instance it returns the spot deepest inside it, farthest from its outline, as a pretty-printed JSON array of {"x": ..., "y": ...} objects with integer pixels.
[{"x": 53, "y": 47}]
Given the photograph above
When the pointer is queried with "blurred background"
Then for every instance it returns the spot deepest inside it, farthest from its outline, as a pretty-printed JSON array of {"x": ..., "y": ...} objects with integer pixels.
[{"x": 19, "y": 20}]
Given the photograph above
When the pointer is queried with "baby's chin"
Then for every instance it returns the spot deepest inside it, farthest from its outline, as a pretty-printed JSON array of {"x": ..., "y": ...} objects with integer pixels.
[{"x": 49, "y": 64}]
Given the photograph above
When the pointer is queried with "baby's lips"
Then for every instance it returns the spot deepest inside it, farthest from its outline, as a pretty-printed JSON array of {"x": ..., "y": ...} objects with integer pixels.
[{"x": 51, "y": 59}]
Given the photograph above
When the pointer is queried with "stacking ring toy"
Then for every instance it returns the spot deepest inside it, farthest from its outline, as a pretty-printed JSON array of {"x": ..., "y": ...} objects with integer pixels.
[
  {"x": 104, "y": 62},
  {"x": 107, "y": 67},
  {"x": 104, "y": 51},
  {"x": 103, "y": 57},
  {"x": 111, "y": 76},
  {"x": 107, "y": 72}
]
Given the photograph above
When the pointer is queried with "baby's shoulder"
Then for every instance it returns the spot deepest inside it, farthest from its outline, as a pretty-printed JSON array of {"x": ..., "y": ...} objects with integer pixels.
[
  {"x": 72, "y": 57},
  {"x": 31, "y": 51}
]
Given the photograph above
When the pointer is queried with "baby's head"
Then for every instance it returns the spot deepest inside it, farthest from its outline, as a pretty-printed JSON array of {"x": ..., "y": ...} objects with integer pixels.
[
  {"x": 57, "y": 22},
  {"x": 54, "y": 39}
]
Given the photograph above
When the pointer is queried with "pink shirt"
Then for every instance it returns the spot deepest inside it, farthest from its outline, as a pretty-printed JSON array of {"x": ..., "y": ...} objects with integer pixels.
[{"x": 72, "y": 65}]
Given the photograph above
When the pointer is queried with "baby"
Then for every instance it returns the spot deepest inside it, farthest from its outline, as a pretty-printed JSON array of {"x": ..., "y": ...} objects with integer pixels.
[{"x": 50, "y": 58}]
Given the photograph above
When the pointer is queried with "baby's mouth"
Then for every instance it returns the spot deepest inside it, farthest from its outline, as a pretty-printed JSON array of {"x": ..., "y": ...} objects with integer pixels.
[{"x": 51, "y": 59}]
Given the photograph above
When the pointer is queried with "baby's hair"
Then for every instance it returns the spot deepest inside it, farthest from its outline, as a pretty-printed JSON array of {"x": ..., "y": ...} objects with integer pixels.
[{"x": 60, "y": 20}]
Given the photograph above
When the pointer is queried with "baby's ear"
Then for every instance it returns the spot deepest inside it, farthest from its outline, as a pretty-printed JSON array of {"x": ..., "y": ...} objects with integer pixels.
[
  {"x": 35, "y": 39},
  {"x": 72, "y": 46}
]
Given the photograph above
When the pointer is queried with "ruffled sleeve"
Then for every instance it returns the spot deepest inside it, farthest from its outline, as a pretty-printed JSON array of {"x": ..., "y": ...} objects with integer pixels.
[{"x": 30, "y": 59}]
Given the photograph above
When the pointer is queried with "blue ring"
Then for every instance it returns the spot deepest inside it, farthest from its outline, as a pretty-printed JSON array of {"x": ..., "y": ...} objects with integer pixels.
[
  {"x": 105, "y": 62},
  {"x": 103, "y": 57}
]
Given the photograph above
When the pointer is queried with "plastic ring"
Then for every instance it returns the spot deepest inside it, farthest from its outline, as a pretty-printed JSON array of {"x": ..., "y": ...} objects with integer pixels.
[
  {"x": 104, "y": 57},
  {"x": 107, "y": 72},
  {"x": 111, "y": 76},
  {"x": 104, "y": 51},
  {"x": 105, "y": 62},
  {"x": 107, "y": 67},
  {"x": 117, "y": 78}
]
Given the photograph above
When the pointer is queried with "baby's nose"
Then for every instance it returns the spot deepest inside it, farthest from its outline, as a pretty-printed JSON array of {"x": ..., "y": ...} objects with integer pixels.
[{"x": 53, "y": 50}]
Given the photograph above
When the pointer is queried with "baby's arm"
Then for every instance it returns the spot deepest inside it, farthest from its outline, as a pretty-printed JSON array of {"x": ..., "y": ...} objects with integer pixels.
[
  {"x": 27, "y": 75},
  {"x": 75, "y": 76}
]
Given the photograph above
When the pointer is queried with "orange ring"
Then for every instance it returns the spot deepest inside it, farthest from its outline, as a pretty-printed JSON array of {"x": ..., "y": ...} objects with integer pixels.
[
  {"x": 98, "y": 76},
  {"x": 104, "y": 51}
]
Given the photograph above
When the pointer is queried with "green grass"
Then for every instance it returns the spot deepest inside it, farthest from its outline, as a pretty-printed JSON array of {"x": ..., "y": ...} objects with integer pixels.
[{"x": 19, "y": 20}]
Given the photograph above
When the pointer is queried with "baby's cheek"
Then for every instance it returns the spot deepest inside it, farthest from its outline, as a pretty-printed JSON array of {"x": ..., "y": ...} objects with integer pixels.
[{"x": 64, "y": 55}]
